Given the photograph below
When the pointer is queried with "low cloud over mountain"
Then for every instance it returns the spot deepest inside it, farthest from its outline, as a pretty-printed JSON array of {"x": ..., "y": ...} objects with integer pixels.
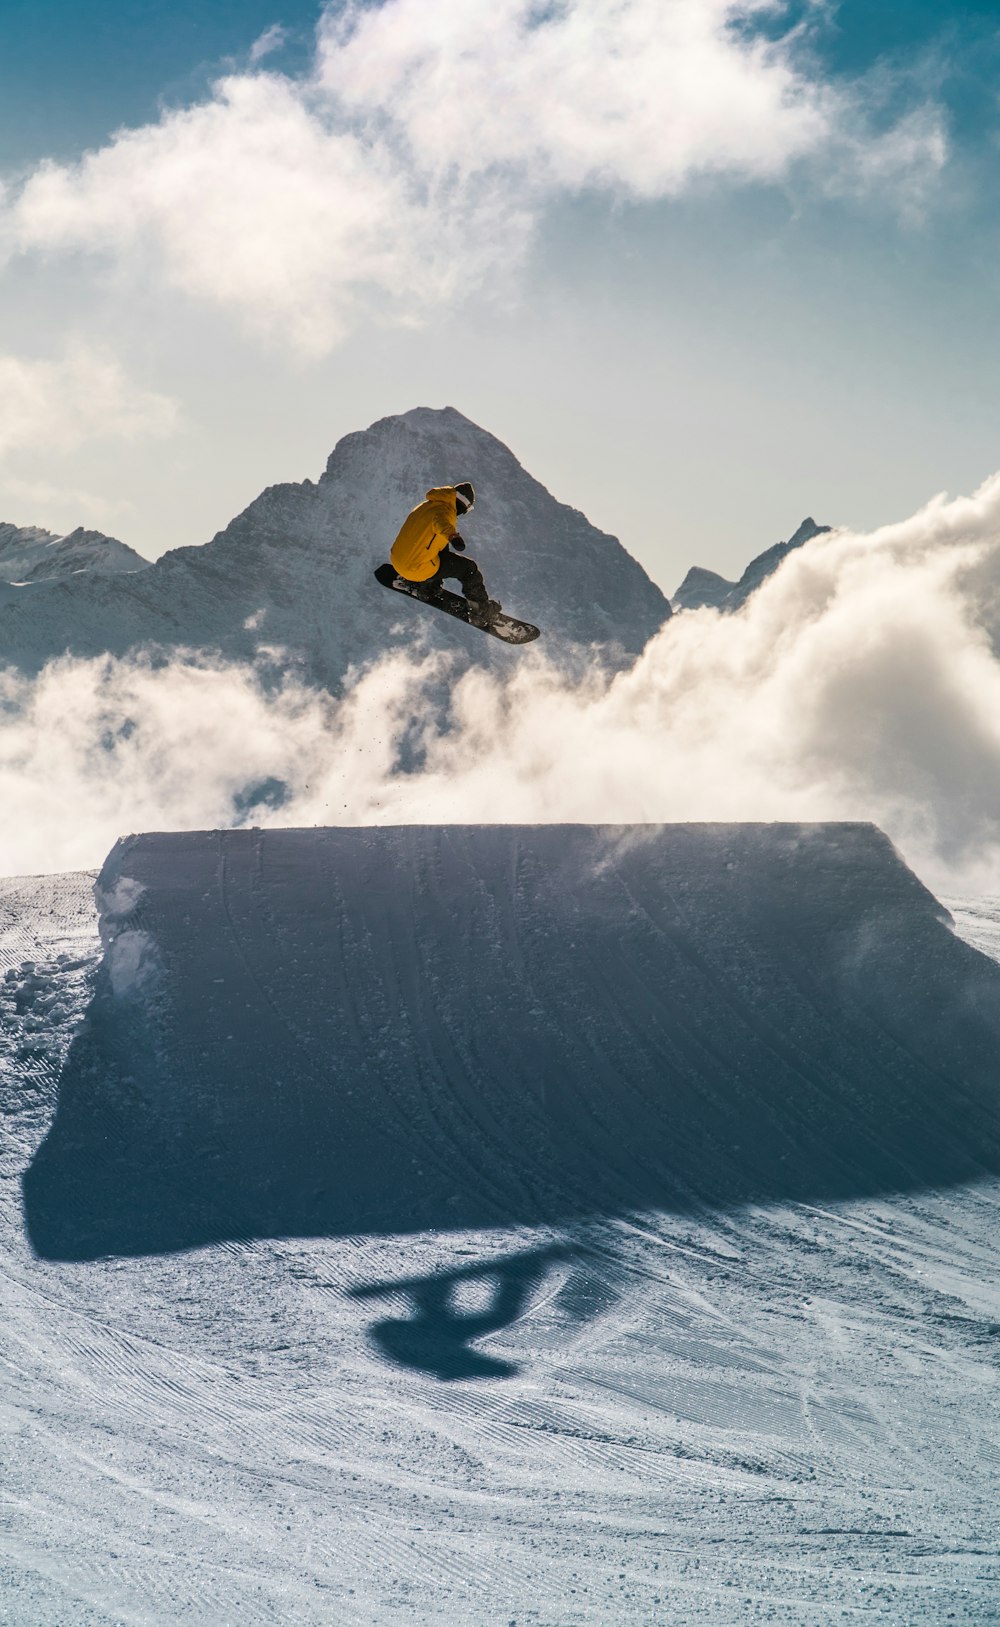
[{"x": 859, "y": 681}]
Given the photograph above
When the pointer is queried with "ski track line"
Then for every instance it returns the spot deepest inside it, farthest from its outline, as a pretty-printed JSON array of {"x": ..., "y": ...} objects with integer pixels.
[{"x": 382, "y": 1544}]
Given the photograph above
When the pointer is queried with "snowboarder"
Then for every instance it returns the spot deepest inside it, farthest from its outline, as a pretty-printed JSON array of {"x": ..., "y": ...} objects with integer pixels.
[{"x": 429, "y": 549}]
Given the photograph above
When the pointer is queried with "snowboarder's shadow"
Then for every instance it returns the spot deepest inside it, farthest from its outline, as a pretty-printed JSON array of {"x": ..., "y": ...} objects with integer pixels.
[{"x": 437, "y": 1337}]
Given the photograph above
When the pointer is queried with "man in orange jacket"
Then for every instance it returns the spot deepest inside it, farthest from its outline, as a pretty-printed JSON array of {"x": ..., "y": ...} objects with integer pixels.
[{"x": 428, "y": 549}]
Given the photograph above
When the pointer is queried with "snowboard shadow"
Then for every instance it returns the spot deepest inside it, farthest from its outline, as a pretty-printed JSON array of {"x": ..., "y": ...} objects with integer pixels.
[
  {"x": 399, "y": 1030},
  {"x": 437, "y": 1336}
]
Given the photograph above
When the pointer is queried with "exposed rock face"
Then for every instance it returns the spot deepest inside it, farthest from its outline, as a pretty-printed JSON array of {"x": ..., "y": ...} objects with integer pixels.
[
  {"x": 29, "y": 554},
  {"x": 295, "y": 568},
  {"x": 701, "y": 587}
]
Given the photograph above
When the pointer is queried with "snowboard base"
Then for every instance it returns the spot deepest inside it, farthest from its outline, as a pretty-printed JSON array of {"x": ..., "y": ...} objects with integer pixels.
[{"x": 506, "y": 628}]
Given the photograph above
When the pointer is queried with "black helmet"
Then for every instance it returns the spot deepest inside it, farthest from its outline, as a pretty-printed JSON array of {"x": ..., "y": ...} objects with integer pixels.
[{"x": 466, "y": 495}]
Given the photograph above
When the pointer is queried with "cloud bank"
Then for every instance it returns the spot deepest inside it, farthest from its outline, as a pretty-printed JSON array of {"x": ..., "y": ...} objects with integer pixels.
[
  {"x": 858, "y": 683},
  {"x": 414, "y": 160}
]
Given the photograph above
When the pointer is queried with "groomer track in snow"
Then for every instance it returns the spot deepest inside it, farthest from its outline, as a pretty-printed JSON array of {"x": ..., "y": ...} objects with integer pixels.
[{"x": 391, "y": 1030}]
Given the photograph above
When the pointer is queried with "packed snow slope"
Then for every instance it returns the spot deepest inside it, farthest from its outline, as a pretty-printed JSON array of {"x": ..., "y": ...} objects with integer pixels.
[
  {"x": 784, "y": 1411},
  {"x": 295, "y": 568},
  {"x": 389, "y": 1030}
]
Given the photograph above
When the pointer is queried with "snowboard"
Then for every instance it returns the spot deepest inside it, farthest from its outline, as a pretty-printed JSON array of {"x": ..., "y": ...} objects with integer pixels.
[{"x": 507, "y": 628}]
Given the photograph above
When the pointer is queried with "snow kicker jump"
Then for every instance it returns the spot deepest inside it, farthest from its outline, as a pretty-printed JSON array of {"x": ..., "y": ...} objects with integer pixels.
[{"x": 382, "y": 1030}]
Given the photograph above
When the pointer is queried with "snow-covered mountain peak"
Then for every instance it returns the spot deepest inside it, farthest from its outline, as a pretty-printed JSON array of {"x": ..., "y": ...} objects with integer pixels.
[
  {"x": 295, "y": 569},
  {"x": 440, "y": 441},
  {"x": 30, "y": 554}
]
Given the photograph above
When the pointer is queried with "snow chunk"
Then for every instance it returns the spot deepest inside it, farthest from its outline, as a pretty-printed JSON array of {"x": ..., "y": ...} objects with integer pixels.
[{"x": 131, "y": 957}]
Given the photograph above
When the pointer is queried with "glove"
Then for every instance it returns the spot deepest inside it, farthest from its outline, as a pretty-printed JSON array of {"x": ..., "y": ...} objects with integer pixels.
[{"x": 458, "y": 543}]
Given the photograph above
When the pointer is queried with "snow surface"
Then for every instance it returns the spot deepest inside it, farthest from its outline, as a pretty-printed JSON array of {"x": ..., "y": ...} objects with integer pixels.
[
  {"x": 587, "y": 1359},
  {"x": 295, "y": 568}
]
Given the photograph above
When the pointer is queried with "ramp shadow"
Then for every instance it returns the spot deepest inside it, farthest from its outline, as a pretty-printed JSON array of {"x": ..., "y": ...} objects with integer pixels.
[{"x": 346, "y": 1031}]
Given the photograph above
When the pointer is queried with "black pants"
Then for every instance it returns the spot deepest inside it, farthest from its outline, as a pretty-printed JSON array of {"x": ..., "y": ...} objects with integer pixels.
[{"x": 459, "y": 569}]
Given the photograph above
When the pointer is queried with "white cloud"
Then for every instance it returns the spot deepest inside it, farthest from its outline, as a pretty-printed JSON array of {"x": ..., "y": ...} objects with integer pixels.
[
  {"x": 56, "y": 405},
  {"x": 266, "y": 44},
  {"x": 248, "y": 201},
  {"x": 899, "y": 163},
  {"x": 634, "y": 94},
  {"x": 415, "y": 158},
  {"x": 858, "y": 683}
]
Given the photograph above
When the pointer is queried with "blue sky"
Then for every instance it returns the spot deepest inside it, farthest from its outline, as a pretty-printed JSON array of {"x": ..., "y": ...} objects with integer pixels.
[{"x": 699, "y": 293}]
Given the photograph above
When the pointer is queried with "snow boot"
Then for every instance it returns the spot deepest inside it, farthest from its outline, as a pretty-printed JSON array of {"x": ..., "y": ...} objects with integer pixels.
[{"x": 483, "y": 612}]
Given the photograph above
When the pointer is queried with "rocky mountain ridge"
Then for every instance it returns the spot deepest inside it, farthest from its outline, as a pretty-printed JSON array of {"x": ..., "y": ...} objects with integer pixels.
[{"x": 702, "y": 587}]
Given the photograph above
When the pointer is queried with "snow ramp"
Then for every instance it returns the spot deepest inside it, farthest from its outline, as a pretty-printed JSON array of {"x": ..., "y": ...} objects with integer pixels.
[{"x": 351, "y": 1031}]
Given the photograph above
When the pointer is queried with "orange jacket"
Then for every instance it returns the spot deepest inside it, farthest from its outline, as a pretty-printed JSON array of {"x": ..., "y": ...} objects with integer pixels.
[{"x": 424, "y": 534}]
